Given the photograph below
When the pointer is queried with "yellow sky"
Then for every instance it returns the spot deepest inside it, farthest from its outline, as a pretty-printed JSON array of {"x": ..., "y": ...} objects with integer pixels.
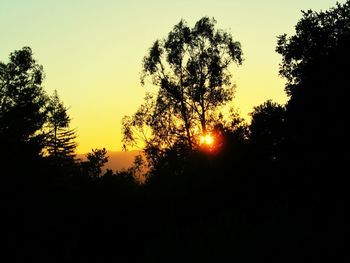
[{"x": 92, "y": 50}]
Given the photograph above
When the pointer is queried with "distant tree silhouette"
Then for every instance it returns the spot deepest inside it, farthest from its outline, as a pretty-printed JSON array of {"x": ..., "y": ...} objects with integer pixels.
[
  {"x": 191, "y": 69},
  {"x": 267, "y": 130},
  {"x": 96, "y": 159},
  {"x": 22, "y": 105},
  {"x": 60, "y": 143}
]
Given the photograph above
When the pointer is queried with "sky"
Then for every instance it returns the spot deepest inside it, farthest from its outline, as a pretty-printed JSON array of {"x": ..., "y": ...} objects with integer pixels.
[{"x": 92, "y": 51}]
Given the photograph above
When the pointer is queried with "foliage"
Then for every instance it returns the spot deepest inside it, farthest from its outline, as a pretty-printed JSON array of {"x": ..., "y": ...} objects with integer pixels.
[
  {"x": 191, "y": 70},
  {"x": 321, "y": 37},
  {"x": 315, "y": 64}
]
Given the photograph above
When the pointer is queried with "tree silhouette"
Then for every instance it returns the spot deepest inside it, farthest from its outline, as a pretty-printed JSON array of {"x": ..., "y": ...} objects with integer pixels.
[
  {"x": 315, "y": 66},
  {"x": 267, "y": 130},
  {"x": 191, "y": 70},
  {"x": 96, "y": 159},
  {"x": 22, "y": 105},
  {"x": 60, "y": 142}
]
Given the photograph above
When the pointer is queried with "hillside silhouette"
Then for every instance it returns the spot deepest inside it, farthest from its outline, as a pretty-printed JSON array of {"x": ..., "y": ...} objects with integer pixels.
[{"x": 214, "y": 188}]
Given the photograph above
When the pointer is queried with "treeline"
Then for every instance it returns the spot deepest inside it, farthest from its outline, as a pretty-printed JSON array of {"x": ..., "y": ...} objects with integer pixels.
[{"x": 274, "y": 189}]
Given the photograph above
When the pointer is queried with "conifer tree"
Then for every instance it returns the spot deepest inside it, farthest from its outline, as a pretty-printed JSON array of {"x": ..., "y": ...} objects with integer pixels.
[{"x": 60, "y": 138}]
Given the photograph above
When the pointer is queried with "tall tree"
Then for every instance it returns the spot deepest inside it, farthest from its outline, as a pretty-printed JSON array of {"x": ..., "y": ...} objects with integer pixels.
[
  {"x": 60, "y": 143},
  {"x": 22, "y": 105},
  {"x": 315, "y": 64},
  {"x": 191, "y": 68}
]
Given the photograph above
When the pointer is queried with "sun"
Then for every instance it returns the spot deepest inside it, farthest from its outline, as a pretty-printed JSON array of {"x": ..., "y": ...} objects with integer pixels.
[
  {"x": 206, "y": 139},
  {"x": 210, "y": 142}
]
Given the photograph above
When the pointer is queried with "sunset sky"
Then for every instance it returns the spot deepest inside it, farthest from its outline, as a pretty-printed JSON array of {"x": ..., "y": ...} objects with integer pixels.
[{"x": 92, "y": 51}]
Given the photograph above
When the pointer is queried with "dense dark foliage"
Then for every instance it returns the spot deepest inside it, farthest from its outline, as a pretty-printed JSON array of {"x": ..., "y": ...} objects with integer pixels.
[{"x": 275, "y": 190}]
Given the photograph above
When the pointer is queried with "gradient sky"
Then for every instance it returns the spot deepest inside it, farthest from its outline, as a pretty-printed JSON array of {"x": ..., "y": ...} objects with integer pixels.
[{"x": 92, "y": 50}]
